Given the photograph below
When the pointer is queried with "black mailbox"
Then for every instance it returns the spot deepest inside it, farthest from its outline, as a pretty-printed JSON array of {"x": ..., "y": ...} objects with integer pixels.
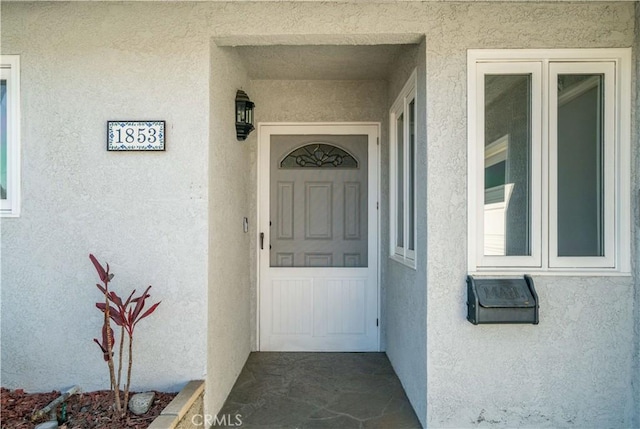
[{"x": 501, "y": 300}]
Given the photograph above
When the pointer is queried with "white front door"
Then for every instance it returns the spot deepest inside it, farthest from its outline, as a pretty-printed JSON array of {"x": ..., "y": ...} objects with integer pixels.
[{"x": 318, "y": 218}]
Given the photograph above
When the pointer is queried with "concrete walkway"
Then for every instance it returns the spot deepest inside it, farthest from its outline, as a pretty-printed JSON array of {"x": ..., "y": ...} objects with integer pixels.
[{"x": 318, "y": 390}]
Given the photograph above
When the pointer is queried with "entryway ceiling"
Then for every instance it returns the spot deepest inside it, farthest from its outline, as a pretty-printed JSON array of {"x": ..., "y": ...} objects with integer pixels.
[{"x": 320, "y": 62}]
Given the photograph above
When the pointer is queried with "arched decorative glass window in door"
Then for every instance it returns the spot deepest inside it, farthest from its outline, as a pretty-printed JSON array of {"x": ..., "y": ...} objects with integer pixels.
[{"x": 319, "y": 155}]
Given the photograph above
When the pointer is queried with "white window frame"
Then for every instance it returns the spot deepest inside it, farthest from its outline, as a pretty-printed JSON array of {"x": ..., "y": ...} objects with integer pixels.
[
  {"x": 408, "y": 94},
  {"x": 10, "y": 71},
  {"x": 536, "y": 201},
  {"x": 615, "y": 64}
]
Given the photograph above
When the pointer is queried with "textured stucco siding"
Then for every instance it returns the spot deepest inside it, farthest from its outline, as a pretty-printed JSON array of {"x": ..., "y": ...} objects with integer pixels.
[
  {"x": 144, "y": 213},
  {"x": 230, "y": 187},
  {"x": 405, "y": 292},
  {"x": 574, "y": 369}
]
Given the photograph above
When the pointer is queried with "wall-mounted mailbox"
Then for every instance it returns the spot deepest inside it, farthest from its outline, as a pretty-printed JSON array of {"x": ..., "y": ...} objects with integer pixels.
[{"x": 491, "y": 300}]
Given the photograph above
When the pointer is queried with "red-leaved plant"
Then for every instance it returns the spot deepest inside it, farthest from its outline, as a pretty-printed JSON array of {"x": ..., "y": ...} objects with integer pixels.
[{"x": 125, "y": 314}]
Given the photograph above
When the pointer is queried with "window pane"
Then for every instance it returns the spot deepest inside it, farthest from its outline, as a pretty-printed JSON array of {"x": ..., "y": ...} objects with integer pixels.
[
  {"x": 400, "y": 182},
  {"x": 3, "y": 139},
  {"x": 507, "y": 165},
  {"x": 580, "y": 165},
  {"x": 319, "y": 214},
  {"x": 412, "y": 177},
  {"x": 319, "y": 155}
]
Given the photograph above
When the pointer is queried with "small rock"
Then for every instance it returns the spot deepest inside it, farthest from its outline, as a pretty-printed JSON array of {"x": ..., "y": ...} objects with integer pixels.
[
  {"x": 141, "y": 402},
  {"x": 48, "y": 425}
]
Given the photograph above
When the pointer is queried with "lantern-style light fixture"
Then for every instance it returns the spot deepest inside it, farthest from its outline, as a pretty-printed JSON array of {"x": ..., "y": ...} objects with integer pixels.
[{"x": 244, "y": 115}]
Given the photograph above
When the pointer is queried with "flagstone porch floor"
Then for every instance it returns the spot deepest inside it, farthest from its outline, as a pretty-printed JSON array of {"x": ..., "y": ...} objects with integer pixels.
[{"x": 319, "y": 390}]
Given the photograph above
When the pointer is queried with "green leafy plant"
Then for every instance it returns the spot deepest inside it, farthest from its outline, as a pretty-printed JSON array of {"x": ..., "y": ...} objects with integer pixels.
[{"x": 125, "y": 314}]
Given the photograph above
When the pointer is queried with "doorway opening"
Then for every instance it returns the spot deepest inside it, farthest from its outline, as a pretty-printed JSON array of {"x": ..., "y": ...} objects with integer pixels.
[
  {"x": 310, "y": 80},
  {"x": 318, "y": 220},
  {"x": 321, "y": 83}
]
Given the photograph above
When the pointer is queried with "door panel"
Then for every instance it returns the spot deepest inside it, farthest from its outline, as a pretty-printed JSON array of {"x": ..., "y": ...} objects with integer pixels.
[
  {"x": 284, "y": 208},
  {"x": 318, "y": 266},
  {"x": 290, "y": 299},
  {"x": 318, "y": 211},
  {"x": 352, "y": 202}
]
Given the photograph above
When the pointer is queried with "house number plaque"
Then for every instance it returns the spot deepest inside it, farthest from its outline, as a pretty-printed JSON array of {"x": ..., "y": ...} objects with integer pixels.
[{"x": 135, "y": 135}]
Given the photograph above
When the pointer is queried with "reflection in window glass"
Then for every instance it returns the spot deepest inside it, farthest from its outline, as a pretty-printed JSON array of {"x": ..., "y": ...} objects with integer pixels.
[
  {"x": 507, "y": 165},
  {"x": 580, "y": 165},
  {"x": 411, "y": 179},
  {"x": 400, "y": 182}
]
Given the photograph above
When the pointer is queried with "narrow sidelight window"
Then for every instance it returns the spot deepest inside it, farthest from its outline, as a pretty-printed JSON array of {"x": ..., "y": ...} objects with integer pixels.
[
  {"x": 411, "y": 177},
  {"x": 403, "y": 174},
  {"x": 400, "y": 181}
]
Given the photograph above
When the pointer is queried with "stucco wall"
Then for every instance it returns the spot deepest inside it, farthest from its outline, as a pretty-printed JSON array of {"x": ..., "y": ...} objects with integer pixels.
[
  {"x": 320, "y": 100},
  {"x": 405, "y": 305},
  {"x": 85, "y": 63},
  {"x": 144, "y": 213},
  {"x": 574, "y": 369},
  {"x": 231, "y": 187}
]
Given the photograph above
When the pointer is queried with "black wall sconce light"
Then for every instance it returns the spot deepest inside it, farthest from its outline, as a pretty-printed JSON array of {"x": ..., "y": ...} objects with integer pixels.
[{"x": 244, "y": 115}]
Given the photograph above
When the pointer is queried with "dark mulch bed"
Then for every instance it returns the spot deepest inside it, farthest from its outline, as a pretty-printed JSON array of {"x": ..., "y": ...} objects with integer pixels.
[{"x": 84, "y": 410}]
